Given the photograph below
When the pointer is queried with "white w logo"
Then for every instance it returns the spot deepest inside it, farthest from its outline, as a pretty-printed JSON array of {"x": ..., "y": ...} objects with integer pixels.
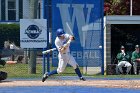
[{"x": 77, "y": 11}]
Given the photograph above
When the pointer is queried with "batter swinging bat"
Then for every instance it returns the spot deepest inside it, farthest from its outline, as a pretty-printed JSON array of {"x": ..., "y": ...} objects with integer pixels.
[{"x": 48, "y": 51}]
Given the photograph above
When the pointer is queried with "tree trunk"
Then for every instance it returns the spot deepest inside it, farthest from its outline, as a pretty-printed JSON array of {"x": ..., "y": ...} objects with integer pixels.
[{"x": 33, "y": 15}]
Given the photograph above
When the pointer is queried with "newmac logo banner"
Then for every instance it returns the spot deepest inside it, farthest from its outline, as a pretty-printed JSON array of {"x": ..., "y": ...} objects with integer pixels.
[
  {"x": 84, "y": 20},
  {"x": 33, "y": 33}
]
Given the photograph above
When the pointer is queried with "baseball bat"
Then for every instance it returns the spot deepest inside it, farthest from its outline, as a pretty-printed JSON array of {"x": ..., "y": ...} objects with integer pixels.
[
  {"x": 48, "y": 51},
  {"x": 70, "y": 30}
]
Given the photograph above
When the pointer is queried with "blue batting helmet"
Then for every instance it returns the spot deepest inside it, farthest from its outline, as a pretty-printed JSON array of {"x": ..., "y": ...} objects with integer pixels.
[{"x": 60, "y": 32}]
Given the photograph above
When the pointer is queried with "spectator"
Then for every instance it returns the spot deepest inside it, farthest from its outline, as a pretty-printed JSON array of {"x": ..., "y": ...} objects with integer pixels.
[
  {"x": 136, "y": 58},
  {"x": 123, "y": 60}
]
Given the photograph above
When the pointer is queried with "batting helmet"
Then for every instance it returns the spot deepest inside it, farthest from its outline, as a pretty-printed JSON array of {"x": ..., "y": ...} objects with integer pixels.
[{"x": 60, "y": 32}]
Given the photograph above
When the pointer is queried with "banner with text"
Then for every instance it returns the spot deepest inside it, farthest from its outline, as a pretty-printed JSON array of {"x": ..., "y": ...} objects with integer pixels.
[
  {"x": 33, "y": 33},
  {"x": 84, "y": 20}
]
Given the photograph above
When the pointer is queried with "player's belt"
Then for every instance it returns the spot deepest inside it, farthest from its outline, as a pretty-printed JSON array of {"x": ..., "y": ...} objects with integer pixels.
[{"x": 66, "y": 53}]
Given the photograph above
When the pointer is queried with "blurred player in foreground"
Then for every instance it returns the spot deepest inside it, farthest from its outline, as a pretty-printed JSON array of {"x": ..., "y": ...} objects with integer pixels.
[{"x": 62, "y": 43}]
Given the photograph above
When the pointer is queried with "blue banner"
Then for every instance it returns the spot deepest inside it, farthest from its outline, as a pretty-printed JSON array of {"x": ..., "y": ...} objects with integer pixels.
[{"x": 84, "y": 20}]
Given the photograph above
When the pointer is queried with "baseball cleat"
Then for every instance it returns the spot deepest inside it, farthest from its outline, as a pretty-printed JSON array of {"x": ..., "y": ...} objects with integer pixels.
[
  {"x": 44, "y": 77},
  {"x": 83, "y": 79}
]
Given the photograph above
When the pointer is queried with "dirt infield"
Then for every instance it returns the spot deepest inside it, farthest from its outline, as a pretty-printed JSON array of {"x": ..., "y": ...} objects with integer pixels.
[{"x": 97, "y": 83}]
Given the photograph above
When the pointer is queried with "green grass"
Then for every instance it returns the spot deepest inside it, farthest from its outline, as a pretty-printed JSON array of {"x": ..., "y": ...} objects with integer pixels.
[{"x": 21, "y": 71}]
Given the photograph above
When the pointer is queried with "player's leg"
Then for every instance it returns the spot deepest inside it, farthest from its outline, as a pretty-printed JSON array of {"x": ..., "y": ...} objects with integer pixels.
[
  {"x": 60, "y": 69},
  {"x": 61, "y": 66},
  {"x": 128, "y": 65},
  {"x": 77, "y": 71},
  {"x": 120, "y": 65},
  {"x": 47, "y": 74},
  {"x": 73, "y": 63},
  {"x": 135, "y": 67}
]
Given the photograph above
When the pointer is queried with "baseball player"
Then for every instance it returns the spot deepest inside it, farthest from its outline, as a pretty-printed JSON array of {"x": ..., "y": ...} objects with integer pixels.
[
  {"x": 136, "y": 58},
  {"x": 62, "y": 43},
  {"x": 123, "y": 60}
]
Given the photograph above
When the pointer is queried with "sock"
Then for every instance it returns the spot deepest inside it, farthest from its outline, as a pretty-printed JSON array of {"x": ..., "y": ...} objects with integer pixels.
[
  {"x": 77, "y": 70},
  {"x": 52, "y": 72}
]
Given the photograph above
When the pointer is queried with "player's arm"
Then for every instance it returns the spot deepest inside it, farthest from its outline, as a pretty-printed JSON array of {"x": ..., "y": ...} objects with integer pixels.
[
  {"x": 71, "y": 38},
  {"x": 60, "y": 48},
  {"x": 137, "y": 60},
  {"x": 64, "y": 47}
]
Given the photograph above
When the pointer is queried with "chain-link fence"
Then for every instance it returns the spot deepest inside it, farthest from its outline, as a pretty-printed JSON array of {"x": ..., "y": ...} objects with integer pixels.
[
  {"x": 13, "y": 59},
  {"x": 19, "y": 62},
  {"x": 13, "y": 62}
]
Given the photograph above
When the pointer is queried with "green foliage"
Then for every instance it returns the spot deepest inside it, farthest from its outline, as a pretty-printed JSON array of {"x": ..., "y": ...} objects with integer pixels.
[
  {"x": 121, "y": 7},
  {"x": 9, "y": 32},
  {"x": 2, "y": 62},
  {"x": 116, "y": 7}
]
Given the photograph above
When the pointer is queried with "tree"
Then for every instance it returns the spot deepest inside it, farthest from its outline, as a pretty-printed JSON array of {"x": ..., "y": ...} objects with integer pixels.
[
  {"x": 121, "y": 7},
  {"x": 136, "y": 7}
]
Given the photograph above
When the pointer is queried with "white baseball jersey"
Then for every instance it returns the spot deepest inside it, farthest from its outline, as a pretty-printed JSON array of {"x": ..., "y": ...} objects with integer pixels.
[
  {"x": 59, "y": 42},
  {"x": 64, "y": 58}
]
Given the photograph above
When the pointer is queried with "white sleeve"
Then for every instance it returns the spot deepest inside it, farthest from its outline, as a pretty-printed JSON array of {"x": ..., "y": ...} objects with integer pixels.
[
  {"x": 58, "y": 44},
  {"x": 67, "y": 36}
]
